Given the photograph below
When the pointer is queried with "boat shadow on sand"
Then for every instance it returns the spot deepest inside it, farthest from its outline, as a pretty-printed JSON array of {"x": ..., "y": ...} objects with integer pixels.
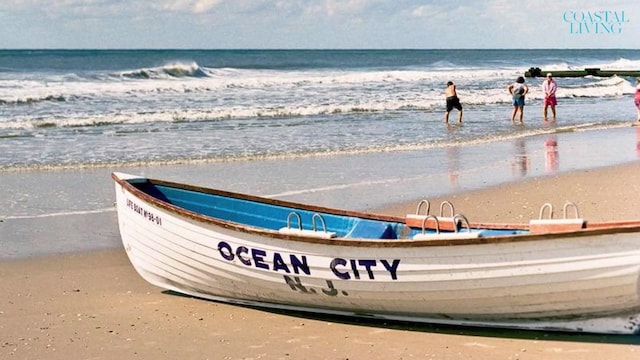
[{"x": 537, "y": 335}]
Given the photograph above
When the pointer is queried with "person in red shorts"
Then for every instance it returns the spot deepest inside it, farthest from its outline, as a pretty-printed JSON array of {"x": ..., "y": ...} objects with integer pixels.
[{"x": 549, "y": 87}]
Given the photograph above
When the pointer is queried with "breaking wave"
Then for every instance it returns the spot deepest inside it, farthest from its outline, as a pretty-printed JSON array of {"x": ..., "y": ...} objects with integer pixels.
[{"x": 172, "y": 70}]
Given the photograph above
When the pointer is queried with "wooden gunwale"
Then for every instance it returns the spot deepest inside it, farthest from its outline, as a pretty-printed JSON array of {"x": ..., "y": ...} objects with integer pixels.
[{"x": 595, "y": 229}]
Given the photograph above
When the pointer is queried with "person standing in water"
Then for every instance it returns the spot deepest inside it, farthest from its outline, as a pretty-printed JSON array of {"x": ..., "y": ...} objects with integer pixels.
[
  {"x": 549, "y": 87},
  {"x": 636, "y": 99},
  {"x": 452, "y": 102},
  {"x": 518, "y": 90}
]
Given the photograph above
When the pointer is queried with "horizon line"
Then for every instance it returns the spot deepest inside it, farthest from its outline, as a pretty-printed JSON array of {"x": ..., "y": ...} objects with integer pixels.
[{"x": 294, "y": 49}]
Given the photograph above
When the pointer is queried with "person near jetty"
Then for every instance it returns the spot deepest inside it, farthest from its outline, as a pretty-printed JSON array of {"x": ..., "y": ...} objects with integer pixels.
[
  {"x": 452, "y": 102},
  {"x": 518, "y": 90},
  {"x": 636, "y": 99},
  {"x": 549, "y": 87}
]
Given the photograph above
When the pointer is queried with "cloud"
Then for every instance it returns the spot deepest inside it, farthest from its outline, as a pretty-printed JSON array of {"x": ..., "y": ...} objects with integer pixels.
[
  {"x": 332, "y": 8},
  {"x": 70, "y": 8},
  {"x": 191, "y": 6},
  {"x": 109, "y": 7},
  {"x": 423, "y": 11},
  {"x": 306, "y": 23}
]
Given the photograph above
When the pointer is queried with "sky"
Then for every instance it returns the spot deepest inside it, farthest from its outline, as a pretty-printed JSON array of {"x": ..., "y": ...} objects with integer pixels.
[{"x": 318, "y": 24}]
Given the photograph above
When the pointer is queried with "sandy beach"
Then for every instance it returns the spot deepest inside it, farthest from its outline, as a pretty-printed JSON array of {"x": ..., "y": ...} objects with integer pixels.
[
  {"x": 608, "y": 193},
  {"x": 92, "y": 305}
]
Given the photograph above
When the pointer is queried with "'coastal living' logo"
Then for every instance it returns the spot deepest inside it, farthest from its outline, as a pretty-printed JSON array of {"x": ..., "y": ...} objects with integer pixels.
[{"x": 595, "y": 22}]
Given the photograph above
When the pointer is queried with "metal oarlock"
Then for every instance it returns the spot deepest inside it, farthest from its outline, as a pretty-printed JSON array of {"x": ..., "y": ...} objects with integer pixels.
[
  {"x": 435, "y": 219},
  {"x": 543, "y": 208},
  {"x": 423, "y": 202},
  {"x": 463, "y": 219},
  {"x": 297, "y": 216},
  {"x": 567, "y": 205},
  {"x": 449, "y": 204},
  {"x": 313, "y": 222},
  {"x": 574, "y": 206}
]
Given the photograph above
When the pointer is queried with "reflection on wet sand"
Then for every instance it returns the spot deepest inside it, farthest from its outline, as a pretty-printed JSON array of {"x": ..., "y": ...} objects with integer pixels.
[
  {"x": 453, "y": 165},
  {"x": 638, "y": 140},
  {"x": 551, "y": 154},
  {"x": 520, "y": 165}
]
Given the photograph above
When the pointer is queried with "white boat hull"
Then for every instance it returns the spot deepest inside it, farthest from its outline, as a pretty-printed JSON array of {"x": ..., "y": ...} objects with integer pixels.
[{"x": 577, "y": 283}]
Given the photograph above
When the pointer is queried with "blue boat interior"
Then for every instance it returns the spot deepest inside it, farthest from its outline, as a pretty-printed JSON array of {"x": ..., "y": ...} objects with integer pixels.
[{"x": 275, "y": 217}]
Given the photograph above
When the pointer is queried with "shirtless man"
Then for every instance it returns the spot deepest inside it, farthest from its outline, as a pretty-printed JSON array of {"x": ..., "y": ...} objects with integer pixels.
[{"x": 452, "y": 102}]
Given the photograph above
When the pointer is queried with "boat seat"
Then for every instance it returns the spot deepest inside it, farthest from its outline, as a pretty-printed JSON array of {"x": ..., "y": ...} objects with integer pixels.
[
  {"x": 555, "y": 225},
  {"x": 448, "y": 235},
  {"x": 548, "y": 225},
  {"x": 316, "y": 220},
  {"x": 307, "y": 233},
  {"x": 416, "y": 221}
]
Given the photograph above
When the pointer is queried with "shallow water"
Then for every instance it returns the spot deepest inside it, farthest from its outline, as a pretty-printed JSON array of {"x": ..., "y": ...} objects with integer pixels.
[{"x": 87, "y": 108}]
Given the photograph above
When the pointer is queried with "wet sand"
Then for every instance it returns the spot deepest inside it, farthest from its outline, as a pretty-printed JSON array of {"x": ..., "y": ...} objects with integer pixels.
[
  {"x": 92, "y": 305},
  {"x": 608, "y": 193}
]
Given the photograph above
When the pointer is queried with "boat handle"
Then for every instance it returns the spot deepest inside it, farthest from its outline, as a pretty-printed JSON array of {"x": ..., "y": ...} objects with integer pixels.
[
  {"x": 543, "y": 208},
  {"x": 424, "y": 223},
  {"x": 446, "y": 203},
  {"x": 289, "y": 220},
  {"x": 423, "y": 202},
  {"x": 574, "y": 206},
  {"x": 313, "y": 221}
]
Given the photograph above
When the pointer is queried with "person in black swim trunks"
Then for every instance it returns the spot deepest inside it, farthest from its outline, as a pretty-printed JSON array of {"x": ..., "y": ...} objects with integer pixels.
[{"x": 452, "y": 102}]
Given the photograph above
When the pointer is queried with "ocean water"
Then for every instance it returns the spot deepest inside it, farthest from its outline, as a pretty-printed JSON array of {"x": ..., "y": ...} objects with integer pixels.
[
  {"x": 354, "y": 129},
  {"x": 105, "y": 108}
]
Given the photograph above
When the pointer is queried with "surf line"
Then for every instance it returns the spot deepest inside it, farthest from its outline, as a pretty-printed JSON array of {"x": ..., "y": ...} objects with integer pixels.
[
  {"x": 347, "y": 186},
  {"x": 66, "y": 213}
]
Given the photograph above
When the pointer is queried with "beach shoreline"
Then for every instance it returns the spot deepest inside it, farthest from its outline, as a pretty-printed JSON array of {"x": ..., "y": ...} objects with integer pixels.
[
  {"x": 76, "y": 206},
  {"x": 93, "y": 304}
]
